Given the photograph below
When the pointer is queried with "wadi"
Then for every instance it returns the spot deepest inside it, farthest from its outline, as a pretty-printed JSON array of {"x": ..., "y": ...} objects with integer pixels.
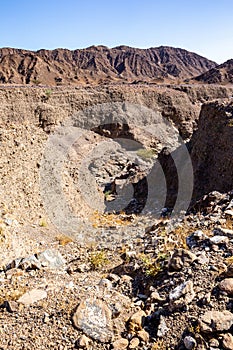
[{"x": 116, "y": 199}]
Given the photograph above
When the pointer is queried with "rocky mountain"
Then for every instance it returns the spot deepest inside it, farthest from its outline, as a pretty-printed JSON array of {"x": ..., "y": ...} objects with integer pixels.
[
  {"x": 98, "y": 64},
  {"x": 222, "y": 74}
]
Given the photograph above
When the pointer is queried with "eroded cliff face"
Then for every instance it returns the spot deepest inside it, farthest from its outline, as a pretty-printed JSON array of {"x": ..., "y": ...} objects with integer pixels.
[{"x": 212, "y": 149}]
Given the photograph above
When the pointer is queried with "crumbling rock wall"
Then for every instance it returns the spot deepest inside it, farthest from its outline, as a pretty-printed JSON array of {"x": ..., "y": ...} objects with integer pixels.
[{"x": 212, "y": 149}]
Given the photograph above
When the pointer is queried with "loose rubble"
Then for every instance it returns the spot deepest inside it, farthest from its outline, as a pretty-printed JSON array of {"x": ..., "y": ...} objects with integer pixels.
[{"x": 125, "y": 302}]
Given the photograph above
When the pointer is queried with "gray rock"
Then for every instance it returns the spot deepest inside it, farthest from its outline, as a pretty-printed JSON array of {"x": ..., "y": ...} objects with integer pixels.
[
  {"x": 162, "y": 328},
  {"x": 180, "y": 258},
  {"x": 216, "y": 321},
  {"x": 94, "y": 318},
  {"x": 30, "y": 263},
  {"x": 202, "y": 259},
  {"x": 105, "y": 284},
  {"x": 226, "y": 285},
  {"x": 219, "y": 240},
  {"x": 223, "y": 231},
  {"x": 199, "y": 235},
  {"x": 52, "y": 259},
  {"x": 190, "y": 343},
  {"x": 181, "y": 295}
]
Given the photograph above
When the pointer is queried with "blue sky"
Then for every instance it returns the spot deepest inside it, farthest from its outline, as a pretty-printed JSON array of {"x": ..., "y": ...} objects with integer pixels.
[{"x": 201, "y": 26}]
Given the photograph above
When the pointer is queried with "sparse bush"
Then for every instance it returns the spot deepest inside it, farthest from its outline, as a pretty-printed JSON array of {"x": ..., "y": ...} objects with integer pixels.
[
  {"x": 159, "y": 345},
  {"x": 152, "y": 266},
  {"x": 146, "y": 153},
  {"x": 110, "y": 219},
  {"x": 98, "y": 259},
  {"x": 36, "y": 82},
  {"x": 43, "y": 223}
]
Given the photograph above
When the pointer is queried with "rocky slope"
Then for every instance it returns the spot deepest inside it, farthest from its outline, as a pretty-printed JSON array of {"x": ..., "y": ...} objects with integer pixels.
[
  {"x": 99, "y": 64},
  {"x": 222, "y": 74}
]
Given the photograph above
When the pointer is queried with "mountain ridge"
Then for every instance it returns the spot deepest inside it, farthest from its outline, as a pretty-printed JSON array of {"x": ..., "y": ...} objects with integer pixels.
[
  {"x": 97, "y": 64},
  {"x": 221, "y": 74}
]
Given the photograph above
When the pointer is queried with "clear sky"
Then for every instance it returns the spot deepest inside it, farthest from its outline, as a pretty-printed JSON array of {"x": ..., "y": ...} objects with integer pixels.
[{"x": 201, "y": 26}]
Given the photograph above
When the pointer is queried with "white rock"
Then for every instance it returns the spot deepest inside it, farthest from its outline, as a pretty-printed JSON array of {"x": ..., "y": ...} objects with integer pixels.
[
  {"x": 32, "y": 296},
  {"x": 219, "y": 240},
  {"x": 181, "y": 295},
  {"x": 190, "y": 343}
]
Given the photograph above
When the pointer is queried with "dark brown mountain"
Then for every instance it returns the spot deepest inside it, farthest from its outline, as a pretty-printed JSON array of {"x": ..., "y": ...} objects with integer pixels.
[
  {"x": 99, "y": 64},
  {"x": 222, "y": 74}
]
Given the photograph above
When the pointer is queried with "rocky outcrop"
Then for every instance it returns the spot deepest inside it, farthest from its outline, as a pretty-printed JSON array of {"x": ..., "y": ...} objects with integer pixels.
[
  {"x": 98, "y": 64},
  {"x": 212, "y": 152}
]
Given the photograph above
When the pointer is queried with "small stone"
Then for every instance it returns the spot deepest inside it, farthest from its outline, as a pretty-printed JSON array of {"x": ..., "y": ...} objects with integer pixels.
[
  {"x": 196, "y": 237},
  {"x": 156, "y": 297},
  {"x": 214, "y": 343},
  {"x": 126, "y": 279},
  {"x": 143, "y": 335},
  {"x": 105, "y": 283},
  {"x": 113, "y": 277},
  {"x": 226, "y": 285},
  {"x": 202, "y": 259},
  {"x": 190, "y": 343},
  {"x": 229, "y": 212},
  {"x": 227, "y": 341},
  {"x": 136, "y": 321},
  {"x": 83, "y": 342},
  {"x": 219, "y": 240},
  {"x": 94, "y": 318},
  {"x": 46, "y": 317},
  {"x": 199, "y": 235},
  {"x": 216, "y": 321},
  {"x": 120, "y": 344},
  {"x": 225, "y": 231},
  {"x": 181, "y": 295},
  {"x": 134, "y": 343},
  {"x": 162, "y": 328},
  {"x": 130, "y": 254},
  {"x": 116, "y": 309},
  {"x": 11, "y": 306},
  {"x": 229, "y": 272},
  {"x": 181, "y": 258},
  {"x": 82, "y": 268},
  {"x": 30, "y": 263},
  {"x": 51, "y": 258},
  {"x": 32, "y": 296},
  {"x": 14, "y": 264}
]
